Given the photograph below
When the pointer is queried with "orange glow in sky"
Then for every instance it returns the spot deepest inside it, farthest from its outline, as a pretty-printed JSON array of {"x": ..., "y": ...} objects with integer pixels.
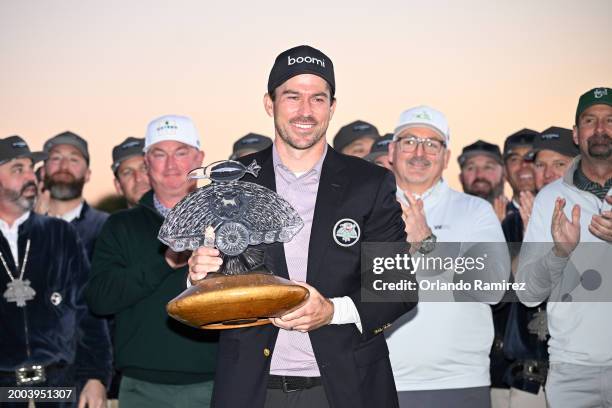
[{"x": 105, "y": 69}]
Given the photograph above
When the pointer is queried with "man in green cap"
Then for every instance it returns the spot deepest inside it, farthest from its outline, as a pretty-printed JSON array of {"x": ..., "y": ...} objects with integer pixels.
[{"x": 564, "y": 254}]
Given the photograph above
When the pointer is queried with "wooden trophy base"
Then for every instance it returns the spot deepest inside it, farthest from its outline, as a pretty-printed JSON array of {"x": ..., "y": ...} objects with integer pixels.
[{"x": 220, "y": 302}]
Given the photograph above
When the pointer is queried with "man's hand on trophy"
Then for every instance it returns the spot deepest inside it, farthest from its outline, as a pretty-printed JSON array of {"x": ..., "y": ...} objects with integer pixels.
[
  {"x": 202, "y": 261},
  {"x": 176, "y": 259},
  {"x": 316, "y": 312}
]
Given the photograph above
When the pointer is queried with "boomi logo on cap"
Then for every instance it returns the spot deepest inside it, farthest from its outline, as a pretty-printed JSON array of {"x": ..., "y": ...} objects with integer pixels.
[
  {"x": 307, "y": 59},
  {"x": 19, "y": 145},
  {"x": 550, "y": 136},
  {"x": 166, "y": 127},
  {"x": 600, "y": 92}
]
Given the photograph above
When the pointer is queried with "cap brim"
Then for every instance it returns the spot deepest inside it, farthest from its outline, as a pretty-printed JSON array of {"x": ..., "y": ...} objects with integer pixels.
[{"x": 287, "y": 77}]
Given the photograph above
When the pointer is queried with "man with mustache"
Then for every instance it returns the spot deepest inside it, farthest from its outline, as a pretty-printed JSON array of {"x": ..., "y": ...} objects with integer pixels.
[
  {"x": 65, "y": 173},
  {"x": 440, "y": 350},
  {"x": 48, "y": 337},
  {"x": 566, "y": 244},
  {"x": 330, "y": 351},
  {"x": 482, "y": 174}
]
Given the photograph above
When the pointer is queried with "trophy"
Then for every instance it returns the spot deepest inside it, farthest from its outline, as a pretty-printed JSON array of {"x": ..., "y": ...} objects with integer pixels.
[{"x": 237, "y": 218}]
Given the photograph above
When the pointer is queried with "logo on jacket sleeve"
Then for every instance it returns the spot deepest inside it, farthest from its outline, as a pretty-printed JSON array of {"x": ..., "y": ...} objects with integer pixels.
[{"x": 346, "y": 232}]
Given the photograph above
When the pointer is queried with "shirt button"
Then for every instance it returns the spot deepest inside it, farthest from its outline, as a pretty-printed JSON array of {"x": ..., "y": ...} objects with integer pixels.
[{"x": 266, "y": 352}]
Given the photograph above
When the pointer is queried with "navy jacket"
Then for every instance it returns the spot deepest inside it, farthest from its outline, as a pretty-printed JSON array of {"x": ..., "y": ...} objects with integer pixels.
[
  {"x": 58, "y": 321},
  {"x": 89, "y": 224}
]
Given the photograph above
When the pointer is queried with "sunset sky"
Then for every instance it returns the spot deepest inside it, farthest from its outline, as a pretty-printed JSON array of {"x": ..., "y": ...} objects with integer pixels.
[{"x": 105, "y": 69}]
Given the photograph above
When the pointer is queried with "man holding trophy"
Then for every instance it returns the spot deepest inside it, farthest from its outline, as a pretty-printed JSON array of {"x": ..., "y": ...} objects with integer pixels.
[{"x": 330, "y": 351}]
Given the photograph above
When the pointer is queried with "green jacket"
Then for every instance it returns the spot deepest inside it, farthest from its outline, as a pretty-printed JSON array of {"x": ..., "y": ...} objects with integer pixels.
[{"x": 131, "y": 280}]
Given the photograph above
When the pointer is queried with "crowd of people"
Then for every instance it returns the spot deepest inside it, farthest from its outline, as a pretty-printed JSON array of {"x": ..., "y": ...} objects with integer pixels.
[{"x": 85, "y": 297}]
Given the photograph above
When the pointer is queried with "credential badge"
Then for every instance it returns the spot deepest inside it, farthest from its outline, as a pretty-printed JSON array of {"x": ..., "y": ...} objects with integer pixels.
[{"x": 346, "y": 232}]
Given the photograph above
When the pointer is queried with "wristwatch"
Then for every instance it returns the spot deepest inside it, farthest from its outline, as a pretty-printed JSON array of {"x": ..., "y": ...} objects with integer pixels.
[{"x": 428, "y": 244}]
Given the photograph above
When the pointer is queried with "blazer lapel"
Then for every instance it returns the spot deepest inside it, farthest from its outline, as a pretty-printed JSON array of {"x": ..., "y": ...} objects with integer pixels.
[{"x": 332, "y": 185}]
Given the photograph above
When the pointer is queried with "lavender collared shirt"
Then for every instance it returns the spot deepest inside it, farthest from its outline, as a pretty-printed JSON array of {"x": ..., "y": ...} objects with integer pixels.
[{"x": 293, "y": 354}]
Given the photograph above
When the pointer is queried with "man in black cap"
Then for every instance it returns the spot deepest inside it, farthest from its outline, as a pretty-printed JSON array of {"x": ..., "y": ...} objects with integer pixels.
[
  {"x": 482, "y": 174},
  {"x": 48, "y": 338},
  {"x": 553, "y": 151},
  {"x": 379, "y": 153},
  {"x": 330, "y": 351},
  {"x": 131, "y": 178},
  {"x": 248, "y": 144},
  {"x": 356, "y": 138},
  {"x": 65, "y": 173},
  {"x": 519, "y": 172}
]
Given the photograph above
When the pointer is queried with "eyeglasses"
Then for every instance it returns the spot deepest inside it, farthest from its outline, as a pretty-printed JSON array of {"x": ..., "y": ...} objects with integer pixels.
[{"x": 430, "y": 146}]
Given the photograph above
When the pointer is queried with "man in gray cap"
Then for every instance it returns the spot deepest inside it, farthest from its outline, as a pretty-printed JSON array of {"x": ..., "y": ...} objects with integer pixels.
[
  {"x": 65, "y": 173},
  {"x": 482, "y": 174},
  {"x": 250, "y": 143},
  {"x": 356, "y": 138},
  {"x": 47, "y": 338},
  {"x": 379, "y": 152},
  {"x": 131, "y": 178}
]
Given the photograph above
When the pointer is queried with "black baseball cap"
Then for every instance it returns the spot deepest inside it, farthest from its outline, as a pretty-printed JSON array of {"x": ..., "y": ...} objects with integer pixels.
[
  {"x": 130, "y": 147},
  {"x": 480, "y": 147},
  {"x": 380, "y": 147},
  {"x": 596, "y": 96},
  {"x": 522, "y": 138},
  {"x": 14, "y": 147},
  {"x": 554, "y": 138},
  {"x": 251, "y": 142},
  {"x": 302, "y": 59},
  {"x": 353, "y": 131},
  {"x": 68, "y": 138}
]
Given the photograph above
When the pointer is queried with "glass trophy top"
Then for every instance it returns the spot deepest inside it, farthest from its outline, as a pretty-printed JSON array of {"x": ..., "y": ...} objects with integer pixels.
[{"x": 240, "y": 213}]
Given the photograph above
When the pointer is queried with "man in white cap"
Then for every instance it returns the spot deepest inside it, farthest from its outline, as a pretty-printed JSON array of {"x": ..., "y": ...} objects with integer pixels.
[
  {"x": 164, "y": 363},
  {"x": 440, "y": 350}
]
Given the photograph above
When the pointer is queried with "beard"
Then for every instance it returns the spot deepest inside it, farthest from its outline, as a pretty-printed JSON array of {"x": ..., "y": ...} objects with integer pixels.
[
  {"x": 294, "y": 141},
  {"x": 17, "y": 197},
  {"x": 484, "y": 189},
  {"x": 600, "y": 146},
  {"x": 64, "y": 190}
]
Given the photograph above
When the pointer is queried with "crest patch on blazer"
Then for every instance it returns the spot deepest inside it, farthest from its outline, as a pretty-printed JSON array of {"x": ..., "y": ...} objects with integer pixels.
[{"x": 346, "y": 232}]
